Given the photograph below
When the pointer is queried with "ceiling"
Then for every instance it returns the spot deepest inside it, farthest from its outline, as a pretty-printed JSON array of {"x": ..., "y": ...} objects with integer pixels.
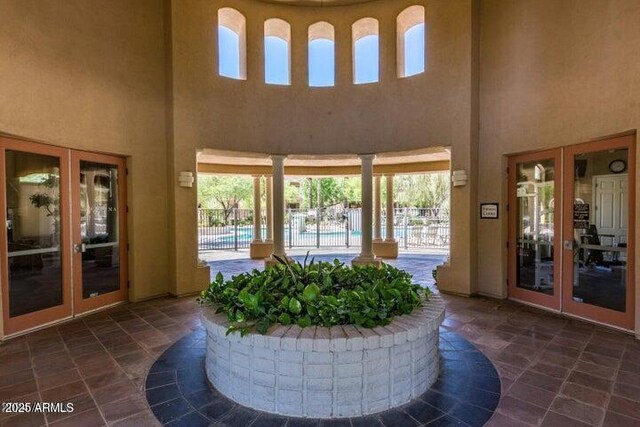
[
  {"x": 432, "y": 154},
  {"x": 316, "y": 2}
]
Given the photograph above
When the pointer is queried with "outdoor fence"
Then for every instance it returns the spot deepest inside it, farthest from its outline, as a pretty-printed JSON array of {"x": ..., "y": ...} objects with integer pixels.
[{"x": 333, "y": 226}]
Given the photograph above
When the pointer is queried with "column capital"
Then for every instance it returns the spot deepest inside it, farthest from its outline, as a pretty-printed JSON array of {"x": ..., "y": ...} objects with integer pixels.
[
  {"x": 279, "y": 157},
  {"x": 367, "y": 156},
  {"x": 389, "y": 175}
]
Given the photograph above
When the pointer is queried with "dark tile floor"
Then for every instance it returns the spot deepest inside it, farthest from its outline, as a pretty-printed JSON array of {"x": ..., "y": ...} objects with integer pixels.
[
  {"x": 553, "y": 370},
  {"x": 465, "y": 394}
]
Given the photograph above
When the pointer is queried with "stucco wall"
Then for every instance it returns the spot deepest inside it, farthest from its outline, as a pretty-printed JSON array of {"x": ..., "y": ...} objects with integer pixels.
[
  {"x": 432, "y": 109},
  {"x": 389, "y": 116},
  {"x": 89, "y": 75},
  {"x": 552, "y": 73},
  {"x": 140, "y": 79}
]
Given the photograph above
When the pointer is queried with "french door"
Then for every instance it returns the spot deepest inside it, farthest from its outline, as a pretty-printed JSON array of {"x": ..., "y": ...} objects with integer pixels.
[
  {"x": 63, "y": 249},
  {"x": 571, "y": 230},
  {"x": 535, "y": 190},
  {"x": 99, "y": 230}
]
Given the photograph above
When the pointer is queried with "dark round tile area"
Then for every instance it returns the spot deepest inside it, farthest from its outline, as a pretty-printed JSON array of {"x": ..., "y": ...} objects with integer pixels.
[{"x": 465, "y": 394}]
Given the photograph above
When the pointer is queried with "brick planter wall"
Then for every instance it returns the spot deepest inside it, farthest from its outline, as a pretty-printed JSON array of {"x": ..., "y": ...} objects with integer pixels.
[{"x": 318, "y": 372}]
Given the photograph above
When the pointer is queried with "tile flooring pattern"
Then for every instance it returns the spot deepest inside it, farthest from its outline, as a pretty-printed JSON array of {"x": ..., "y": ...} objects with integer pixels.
[
  {"x": 553, "y": 370},
  {"x": 466, "y": 392}
]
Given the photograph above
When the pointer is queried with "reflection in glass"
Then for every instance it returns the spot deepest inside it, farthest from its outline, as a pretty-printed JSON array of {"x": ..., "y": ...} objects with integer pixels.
[
  {"x": 99, "y": 228},
  {"x": 600, "y": 229},
  {"x": 33, "y": 232},
  {"x": 535, "y": 225}
]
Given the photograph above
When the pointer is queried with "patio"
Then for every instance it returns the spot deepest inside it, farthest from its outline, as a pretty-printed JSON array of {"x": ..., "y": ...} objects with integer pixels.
[{"x": 553, "y": 370}]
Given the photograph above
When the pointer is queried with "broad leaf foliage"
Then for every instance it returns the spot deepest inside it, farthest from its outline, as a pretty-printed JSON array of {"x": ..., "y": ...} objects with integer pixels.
[{"x": 314, "y": 293}]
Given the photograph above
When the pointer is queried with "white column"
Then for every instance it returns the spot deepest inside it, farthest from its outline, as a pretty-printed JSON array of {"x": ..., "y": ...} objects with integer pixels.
[
  {"x": 278, "y": 205},
  {"x": 390, "y": 232},
  {"x": 377, "y": 209},
  {"x": 269, "y": 196},
  {"x": 366, "y": 255},
  {"x": 257, "y": 210}
]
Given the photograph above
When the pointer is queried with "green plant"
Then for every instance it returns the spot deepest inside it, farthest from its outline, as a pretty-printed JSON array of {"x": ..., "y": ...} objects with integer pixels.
[
  {"x": 318, "y": 293},
  {"x": 50, "y": 201}
]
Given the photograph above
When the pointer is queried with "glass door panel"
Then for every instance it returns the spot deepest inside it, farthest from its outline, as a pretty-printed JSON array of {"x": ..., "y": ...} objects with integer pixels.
[
  {"x": 34, "y": 197},
  {"x": 534, "y": 189},
  {"x": 98, "y": 236},
  {"x": 599, "y": 231},
  {"x": 33, "y": 232},
  {"x": 99, "y": 228}
]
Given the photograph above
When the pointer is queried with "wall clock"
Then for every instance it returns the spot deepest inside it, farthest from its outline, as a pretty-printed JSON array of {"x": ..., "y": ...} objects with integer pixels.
[{"x": 618, "y": 166}]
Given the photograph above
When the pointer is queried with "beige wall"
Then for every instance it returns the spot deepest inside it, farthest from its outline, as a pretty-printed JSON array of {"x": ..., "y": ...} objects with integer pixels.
[
  {"x": 89, "y": 75},
  {"x": 140, "y": 79},
  {"x": 436, "y": 108},
  {"x": 552, "y": 73},
  {"x": 296, "y": 119}
]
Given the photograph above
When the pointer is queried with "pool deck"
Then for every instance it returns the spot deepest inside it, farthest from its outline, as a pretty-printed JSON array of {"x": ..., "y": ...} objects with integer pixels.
[{"x": 229, "y": 254}]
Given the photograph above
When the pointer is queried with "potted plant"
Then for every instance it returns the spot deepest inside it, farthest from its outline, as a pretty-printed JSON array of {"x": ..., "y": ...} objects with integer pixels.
[{"x": 314, "y": 294}]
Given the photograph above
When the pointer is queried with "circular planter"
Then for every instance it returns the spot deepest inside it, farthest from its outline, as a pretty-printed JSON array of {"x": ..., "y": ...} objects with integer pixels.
[{"x": 317, "y": 372}]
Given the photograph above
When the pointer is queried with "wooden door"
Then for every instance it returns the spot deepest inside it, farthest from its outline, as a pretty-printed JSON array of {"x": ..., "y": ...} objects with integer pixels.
[
  {"x": 35, "y": 242},
  {"x": 534, "y": 228},
  {"x": 599, "y": 232},
  {"x": 99, "y": 230}
]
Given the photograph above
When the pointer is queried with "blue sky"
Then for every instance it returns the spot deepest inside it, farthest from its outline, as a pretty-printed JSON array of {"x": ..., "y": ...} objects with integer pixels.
[
  {"x": 228, "y": 53},
  {"x": 321, "y": 58},
  {"x": 276, "y": 61},
  {"x": 414, "y": 43},
  {"x": 322, "y": 63},
  {"x": 367, "y": 60}
]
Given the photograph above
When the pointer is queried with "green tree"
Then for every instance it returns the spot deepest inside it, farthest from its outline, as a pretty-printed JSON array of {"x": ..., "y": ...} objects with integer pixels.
[
  {"x": 292, "y": 192},
  {"x": 352, "y": 190},
  {"x": 224, "y": 192},
  {"x": 332, "y": 191},
  {"x": 423, "y": 191}
]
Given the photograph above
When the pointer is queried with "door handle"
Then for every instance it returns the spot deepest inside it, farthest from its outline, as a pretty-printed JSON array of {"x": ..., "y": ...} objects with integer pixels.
[
  {"x": 567, "y": 244},
  {"x": 80, "y": 248}
]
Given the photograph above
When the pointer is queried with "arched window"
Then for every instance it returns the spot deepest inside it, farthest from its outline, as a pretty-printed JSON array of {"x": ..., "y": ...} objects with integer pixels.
[
  {"x": 232, "y": 44},
  {"x": 322, "y": 71},
  {"x": 366, "y": 67},
  {"x": 277, "y": 54},
  {"x": 411, "y": 41}
]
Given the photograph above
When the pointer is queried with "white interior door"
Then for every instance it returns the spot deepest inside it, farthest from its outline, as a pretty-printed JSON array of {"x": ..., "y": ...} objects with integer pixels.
[{"x": 611, "y": 206}]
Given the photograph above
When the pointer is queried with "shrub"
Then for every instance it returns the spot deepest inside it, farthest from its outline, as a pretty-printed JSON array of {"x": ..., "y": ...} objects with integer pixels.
[{"x": 318, "y": 293}]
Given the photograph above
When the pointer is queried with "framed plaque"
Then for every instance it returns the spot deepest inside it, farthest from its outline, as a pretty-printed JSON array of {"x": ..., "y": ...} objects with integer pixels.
[{"x": 489, "y": 211}]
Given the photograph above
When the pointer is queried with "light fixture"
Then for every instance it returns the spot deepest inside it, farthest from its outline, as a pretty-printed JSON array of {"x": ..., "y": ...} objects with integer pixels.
[
  {"x": 185, "y": 179},
  {"x": 459, "y": 178}
]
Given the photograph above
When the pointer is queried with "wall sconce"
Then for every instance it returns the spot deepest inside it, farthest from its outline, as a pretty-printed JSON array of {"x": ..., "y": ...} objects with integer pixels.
[
  {"x": 459, "y": 178},
  {"x": 185, "y": 179}
]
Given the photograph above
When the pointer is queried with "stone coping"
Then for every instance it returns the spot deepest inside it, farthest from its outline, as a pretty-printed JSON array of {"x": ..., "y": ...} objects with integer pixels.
[{"x": 421, "y": 322}]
